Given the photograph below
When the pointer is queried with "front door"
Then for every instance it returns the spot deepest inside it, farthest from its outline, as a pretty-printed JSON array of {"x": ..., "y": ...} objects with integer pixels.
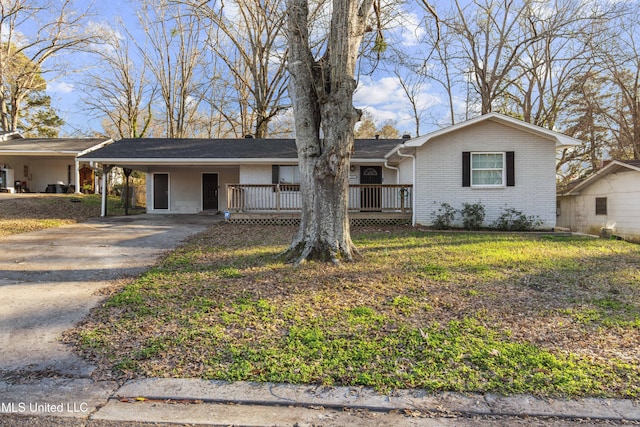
[
  {"x": 160, "y": 191},
  {"x": 370, "y": 196},
  {"x": 210, "y": 191}
]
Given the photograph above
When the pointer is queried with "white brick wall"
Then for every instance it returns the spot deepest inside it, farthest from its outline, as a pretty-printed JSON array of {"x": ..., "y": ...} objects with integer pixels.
[{"x": 439, "y": 173}]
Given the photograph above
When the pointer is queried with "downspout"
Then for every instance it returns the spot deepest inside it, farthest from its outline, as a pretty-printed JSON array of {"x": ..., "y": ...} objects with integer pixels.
[
  {"x": 393, "y": 168},
  {"x": 415, "y": 183}
]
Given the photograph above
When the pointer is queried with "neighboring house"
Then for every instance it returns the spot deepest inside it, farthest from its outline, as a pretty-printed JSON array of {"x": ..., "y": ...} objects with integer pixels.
[
  {"x": 607, "y": 202},
  {"x": 45, "y": 164},
  {"x": 493, "y": 159}
]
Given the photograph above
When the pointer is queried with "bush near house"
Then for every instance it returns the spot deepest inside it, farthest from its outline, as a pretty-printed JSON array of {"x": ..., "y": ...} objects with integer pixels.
[
  {"x": 514, "y": 220},
  {"x": 473, "y": 215}
]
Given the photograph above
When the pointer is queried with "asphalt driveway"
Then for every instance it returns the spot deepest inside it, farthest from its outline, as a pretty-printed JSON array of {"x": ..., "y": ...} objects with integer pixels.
[{"x": 50, "y": 279}]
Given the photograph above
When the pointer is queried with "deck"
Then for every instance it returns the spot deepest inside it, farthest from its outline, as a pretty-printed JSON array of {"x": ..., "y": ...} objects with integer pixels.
[{"x": 281, "y": 203}]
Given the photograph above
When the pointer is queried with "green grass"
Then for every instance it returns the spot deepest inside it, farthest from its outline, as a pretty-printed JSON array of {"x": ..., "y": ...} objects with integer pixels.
[{"x": 501, "y": 313}]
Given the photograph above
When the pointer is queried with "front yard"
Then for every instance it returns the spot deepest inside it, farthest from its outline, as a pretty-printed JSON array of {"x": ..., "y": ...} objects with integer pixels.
[
  {"x": 32, "y": 212},
  {"x": 484, "y": 312}
]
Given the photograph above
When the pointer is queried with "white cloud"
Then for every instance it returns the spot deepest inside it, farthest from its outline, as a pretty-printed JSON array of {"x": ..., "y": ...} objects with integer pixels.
[
  {"x": 382, "y": 91},
  {"x": 60, "y": 87},
  {"x": 385, "y": 100}
]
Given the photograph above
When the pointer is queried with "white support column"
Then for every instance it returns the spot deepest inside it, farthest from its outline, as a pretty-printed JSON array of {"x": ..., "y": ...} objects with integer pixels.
[
  {"x": 105, "y": 175},
  {"x": 77, "y": 178},
  {"x": 103, "y": 208}
]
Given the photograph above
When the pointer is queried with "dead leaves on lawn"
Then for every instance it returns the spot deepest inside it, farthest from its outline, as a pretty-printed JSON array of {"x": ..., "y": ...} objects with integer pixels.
[{"x": 226, "y": 286}]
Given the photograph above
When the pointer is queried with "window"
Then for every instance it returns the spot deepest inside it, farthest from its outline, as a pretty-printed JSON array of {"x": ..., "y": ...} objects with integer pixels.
[
  {"x": 601, "y": 205},
  {"x": 487, "y": 169},
  {"x": 287, "y": 176},
  {"x": 490, "y": 169}
]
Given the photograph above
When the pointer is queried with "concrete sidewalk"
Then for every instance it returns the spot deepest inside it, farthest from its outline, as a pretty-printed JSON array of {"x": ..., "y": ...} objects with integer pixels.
[{"x": 193, "y": 401}]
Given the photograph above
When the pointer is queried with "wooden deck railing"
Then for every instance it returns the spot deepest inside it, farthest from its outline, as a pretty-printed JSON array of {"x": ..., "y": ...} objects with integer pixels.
[{"x": 286, "y": 198}]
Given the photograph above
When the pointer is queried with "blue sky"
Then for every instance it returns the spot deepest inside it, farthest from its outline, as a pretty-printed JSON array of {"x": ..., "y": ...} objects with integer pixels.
[{"x": 380, "y": 94}]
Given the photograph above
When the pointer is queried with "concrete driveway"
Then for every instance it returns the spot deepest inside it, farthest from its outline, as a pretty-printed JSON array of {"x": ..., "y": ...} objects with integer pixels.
[{"x": 50, "y": 279}]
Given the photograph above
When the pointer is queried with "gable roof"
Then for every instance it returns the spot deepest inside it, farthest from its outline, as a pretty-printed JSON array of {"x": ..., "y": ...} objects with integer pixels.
[
  {"x": 613, "y": 167},
  {"x": 205, "y": 151},
  {"x": 50, "y": 146},
  {"x": 560, "y": 139}
]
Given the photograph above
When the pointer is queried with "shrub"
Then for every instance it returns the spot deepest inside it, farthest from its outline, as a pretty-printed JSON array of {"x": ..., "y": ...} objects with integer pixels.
[
  {"x": 514, "y": 220},
  {"x": 472, "y": 215},
  {"x": 446, "y": 215}
]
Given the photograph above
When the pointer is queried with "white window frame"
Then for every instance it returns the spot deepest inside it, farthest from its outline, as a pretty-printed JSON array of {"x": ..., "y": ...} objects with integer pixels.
[{"x": 503, "y": 170}]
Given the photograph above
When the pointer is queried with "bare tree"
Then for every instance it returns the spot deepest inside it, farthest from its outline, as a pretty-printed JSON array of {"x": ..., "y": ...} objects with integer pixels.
[
  {"x": 322, "y": 93},
  {"x": 413, "y": 84},
  {"x": 248, "y": 37},
  {"x": 585, "y": 118},
  {"x": 121, "y": 90},
  {"x": 620, "y": 62},
  {"x": 491, "y": 37},
  {"x": 59, "y": 29},
  {"x": 174, "y": 55},
  {"x": 428, "y": 61},
  {"x": 550, "y": 66}
]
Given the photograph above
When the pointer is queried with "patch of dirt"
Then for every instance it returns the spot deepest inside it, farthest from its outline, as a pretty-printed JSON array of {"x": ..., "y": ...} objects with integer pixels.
[
  {"x": 48, "y": 206},
  {"x": 24, "y": 213}
]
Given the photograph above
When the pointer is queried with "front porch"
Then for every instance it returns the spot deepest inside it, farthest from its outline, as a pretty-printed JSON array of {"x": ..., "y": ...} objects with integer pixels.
[{"x": 281, "y": 203}]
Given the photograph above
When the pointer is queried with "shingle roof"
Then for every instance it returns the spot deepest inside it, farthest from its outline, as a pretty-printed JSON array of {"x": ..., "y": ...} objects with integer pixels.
[
  {"x": 631, "y": 162},
  {"x": 49, "y": 145},
  {"x": 613, "y": 166},
  {"x": 224, "y": 149}
]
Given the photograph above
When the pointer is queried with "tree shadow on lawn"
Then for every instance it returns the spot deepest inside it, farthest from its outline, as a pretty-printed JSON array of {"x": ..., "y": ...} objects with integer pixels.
[{"x": 224, "y": 291}]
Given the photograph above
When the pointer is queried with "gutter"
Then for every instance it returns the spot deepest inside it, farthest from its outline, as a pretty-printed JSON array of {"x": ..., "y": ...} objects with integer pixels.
[
  {"x": 393, "y": 168},
  {"x": 415, "y": 182}
]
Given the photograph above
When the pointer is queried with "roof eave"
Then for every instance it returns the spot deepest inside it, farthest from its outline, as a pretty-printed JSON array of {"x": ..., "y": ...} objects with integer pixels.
[
  {"x": 189, "y": 161},
  {"x": 610, "y": 168},
  {"x": 561, "y": 141},
  {"x": 200, "y": 161},
  {"x": 31, "y": 153},
  {"x": 96, "y": 147}
]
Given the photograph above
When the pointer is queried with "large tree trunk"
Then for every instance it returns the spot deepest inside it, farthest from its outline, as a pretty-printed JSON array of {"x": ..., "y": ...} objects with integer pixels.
[{"x": 322, "y": 95}]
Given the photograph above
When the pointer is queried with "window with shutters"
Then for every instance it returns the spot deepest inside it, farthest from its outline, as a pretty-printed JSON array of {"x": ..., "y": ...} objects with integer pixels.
[
  {"x": 601, "y": 205},
  {"x": 488, "y": 169}
]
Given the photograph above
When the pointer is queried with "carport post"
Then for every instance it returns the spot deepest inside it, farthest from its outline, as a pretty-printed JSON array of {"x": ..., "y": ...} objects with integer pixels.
[
  {"x": 77, "y": 177},
  {"x": 105, "y": 174}
]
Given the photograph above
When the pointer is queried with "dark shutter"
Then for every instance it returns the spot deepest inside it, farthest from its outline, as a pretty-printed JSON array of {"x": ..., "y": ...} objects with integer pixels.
[
  {"x": 511, "y": 174},
  {"x": 466, "y": 169},
  {"x": 275, "y": 174}
]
